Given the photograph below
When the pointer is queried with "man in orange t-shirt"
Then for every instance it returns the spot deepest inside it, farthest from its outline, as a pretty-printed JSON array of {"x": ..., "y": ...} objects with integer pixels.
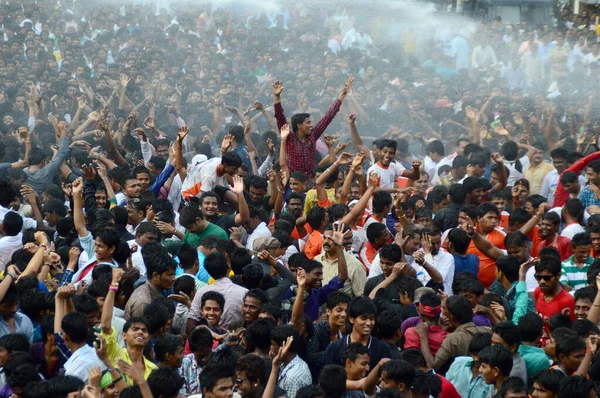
[
  {"x": 317, "y": 218},
  {"x": 488, "y": 217}
]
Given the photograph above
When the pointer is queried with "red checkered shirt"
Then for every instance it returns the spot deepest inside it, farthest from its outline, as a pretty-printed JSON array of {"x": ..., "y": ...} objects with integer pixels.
[{"x": 301, "y": 154}]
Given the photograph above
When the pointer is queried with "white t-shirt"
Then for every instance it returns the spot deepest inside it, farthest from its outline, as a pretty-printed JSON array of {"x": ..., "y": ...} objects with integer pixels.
[
  {"x": 387, "y": 175},
  {"x": 204, "y": 180},
  {"x": 572, "y": 230},
  {"x": 514, "y": 173}
]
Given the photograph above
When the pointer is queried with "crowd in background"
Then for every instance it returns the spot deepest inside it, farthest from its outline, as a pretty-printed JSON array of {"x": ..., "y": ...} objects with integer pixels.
[{"x": 297, "y": 200}]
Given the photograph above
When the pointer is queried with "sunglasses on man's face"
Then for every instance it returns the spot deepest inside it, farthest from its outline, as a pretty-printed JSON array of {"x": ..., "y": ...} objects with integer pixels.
[{"x": 546, "y": 278}]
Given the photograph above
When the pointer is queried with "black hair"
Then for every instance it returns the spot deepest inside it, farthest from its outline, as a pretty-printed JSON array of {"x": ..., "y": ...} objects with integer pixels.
[
  {"x": 311, "y": 265},
  {"x": 473, "y": 183},
  {"x": 213, "y": 296},
  {"x": 399, "y": 371},
  {"x": 408, "y": 286},
  {"x": 584, "y": 327},
  {"x": 509, "y": 266},
  {"x": 255, "y": 368},
  {"x": 512, "y": 384},
  {"x": 165, "y": 382},
  {"x": 133, "y": 320},
  {"x": 575, "y": 208},
  {"x": 332, "y": 380},
  {"x": 392, "y": 252},
  {"x": 311, "y": 391},
  {"x": 272, "y": 309},
  {"x": 414, "y": 356},
  {"x": 239, "y": 258},
  {"x": 581, "y": 239},
  {"x": 14, "y": 342},
  {"x": 185, "y": 284},
  {"x": 509, "y": 332},
  {"x": 497, "y": 356},
  {"x": 216, "y": 265},
  {"x": 353, "y": 351},
  {"x": 436, "y": 146},
  {"x": 188, "y": 255},
  {"x": 231, "y": 159},
  {"x": 75, "y": 325},
  {"x": 576, "y": 386},
  {"x": 516, "y": 239},
  {"x": 335, "y": 298},
  {"x": 549, "y": 379},
  {"x": 381, "y": 200},
  {"x": 459, "y": 239},
  {"x": 361, "y": 306},
  {"x": 258, "y": 333},
  {"x": 552, "y": 217},
  {"x": 200, "y": 338},
  {"x": 374, "y": 231},
  {"x": 460, "y": 308},
  {"x": 160, "y": 264},
  {"x": 487, "y": 207},
  {"x": 157, "y": 316},
  {"x": 531, "y": 326},
  {"x": 148, "y": 227},
  {"x": 166, "y": 343},
  {"x": 85, "y": 303},
  {"x": 479, "y": 341},
  {"x": 315, "y": 217},
  {"x": 548, "y": 263},
  {"x": 468, "y": 285},
  {"x": 388, "y": 323},
  {"x": 568, "y": 344},
  {"x": 279, "y": 335},
  {"x": 252, "y": 275},
  {"x": 586, "y": 293},
  {"x": 457, "y": 193}
]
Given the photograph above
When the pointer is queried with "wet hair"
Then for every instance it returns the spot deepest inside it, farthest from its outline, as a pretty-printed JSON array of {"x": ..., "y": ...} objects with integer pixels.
[
  {"x": 392, "y": 252},
  {"x": 381, "y": 200},
  {"x": 568, "y": 344},
  {"x": 408, "y": 286},
  {"x": 258, "y": 333},
  {"x": 548, "y": 263},
  {"x": 509, "y": 266},
  {"x": 255, "y": 368},
  {"x": 399, "y": 371},
  {"x": 512, "y": 384},
  {"x": 575, "y": 386},
  {"x": 14, "y": 342},
  {"x": 361, "y": 306},
  {"x": 459, "y": 239},
  {"x": 335, "y": 298},
  {"x": 586, "y": 293},
  {"x": 200, "y": 338},
  {"x": 279, "y": 335}
]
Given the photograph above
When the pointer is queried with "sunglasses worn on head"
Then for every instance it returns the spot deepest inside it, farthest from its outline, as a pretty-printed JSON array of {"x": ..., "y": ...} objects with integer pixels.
[{"x": 547, "y": 278}]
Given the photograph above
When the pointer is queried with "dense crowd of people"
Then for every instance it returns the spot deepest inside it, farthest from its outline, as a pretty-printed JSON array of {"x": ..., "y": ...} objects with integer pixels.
[{"x": 303, "y": 200}]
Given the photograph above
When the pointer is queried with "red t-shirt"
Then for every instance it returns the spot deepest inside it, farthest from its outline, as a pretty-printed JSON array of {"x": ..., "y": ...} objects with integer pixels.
[
  {"x": 448, "y": 389},
  {"x": 546, "y": 309},
  {"x": 436, "y": 338},
  {"x": 560, "y": 243}
]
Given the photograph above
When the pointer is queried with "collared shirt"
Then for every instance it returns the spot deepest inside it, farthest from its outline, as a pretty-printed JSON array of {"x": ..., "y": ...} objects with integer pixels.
[
  {"x": 294, "y": 376},
  {"x": 574, "y": 276},
  {"x": 516, "y": 297},
  {"x": 535, "y": 175},
  {"x": 588, "y": 198},
  {"x": 357, "y": 276},
  {"x": 234, "y": 299},
  {"x": 115, "y": 353},
  {"x": 457, "y": 342},
  {"x": 190, "y": 371},
  {"x": 23, "y": 325},
  {"x": 141, "y": 297},
  {"x": 82, "y": 361},
  {"x": 88, "y": 259},
  {"x": 301, "y": 154},
  {"x": 461, "y": 377}
]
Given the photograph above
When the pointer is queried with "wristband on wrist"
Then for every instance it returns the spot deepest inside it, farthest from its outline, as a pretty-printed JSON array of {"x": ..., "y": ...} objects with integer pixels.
[
  {"x": 11, "y": 275},
  {"x": 113, "y": 288}
]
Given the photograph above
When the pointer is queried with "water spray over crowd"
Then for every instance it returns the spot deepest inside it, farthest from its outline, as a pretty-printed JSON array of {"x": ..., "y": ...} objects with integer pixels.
[{"x": 299, "y": 199}]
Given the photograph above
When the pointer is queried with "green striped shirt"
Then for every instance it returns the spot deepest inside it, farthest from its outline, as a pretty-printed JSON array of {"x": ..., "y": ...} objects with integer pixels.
[{"x": 574, "y": 276}]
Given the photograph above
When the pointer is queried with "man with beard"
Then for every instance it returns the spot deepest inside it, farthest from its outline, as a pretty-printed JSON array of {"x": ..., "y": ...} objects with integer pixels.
[{"x": 209, "y": 204}]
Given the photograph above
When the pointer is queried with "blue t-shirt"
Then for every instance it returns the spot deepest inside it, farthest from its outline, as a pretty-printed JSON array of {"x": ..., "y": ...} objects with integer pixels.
[{"x": 468, "y": 263}]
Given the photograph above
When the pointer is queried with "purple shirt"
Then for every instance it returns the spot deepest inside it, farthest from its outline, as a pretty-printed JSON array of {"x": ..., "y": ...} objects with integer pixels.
[{"x": 316, "y": 297}]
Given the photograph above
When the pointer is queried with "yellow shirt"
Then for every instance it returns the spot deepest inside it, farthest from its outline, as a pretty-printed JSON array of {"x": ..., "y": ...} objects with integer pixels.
[
  {"x": 311, "y": 199},
  {"x": 535, "y": 176},
  {"x": 115, "y": 352}
]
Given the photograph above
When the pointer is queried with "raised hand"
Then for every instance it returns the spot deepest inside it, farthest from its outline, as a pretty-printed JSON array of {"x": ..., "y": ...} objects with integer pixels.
[
  {"x": 74, "y": 253},
  {"x": 267, "y": 257},
  {"x": 301, "y": 277},
  {"x": 497, "y": 157},
  {"x": 78, "y": 187},
  {"x": 88, "y": 172},
  {"x": 124, "y": 80},
  {"x": 398, "y": 269},
  {"x": 149, "y": 123},
  {"x": 141, "y": 133},
  {"x": 66, "y": 292},
  {"x": 270, "y": 146},
  {"x": 285, "y": 131},
  {"x": 416, "y": 164},
  {"x": 277, "y": 88},
  {"x": 330, "y": 139},
  {"x": 337, "y": 237},
  {"x": 426, "y": 243},
  {"x": 117, "y": 274},
  {"x": 182, "y": 298},
  {"x": 258, "y": 105},
  {"x": 341, "y": 146},
  {"x": 226, "y": 143},
  {"x": 351, "y": 119},
  {"x": 373, "y": 180},
  {"x": 29, "y": 194},
  {"x": 358, "y": 160},
  {"x": 183, "y": 131},
  {"x": 238, "y": 185},
  {"x": 347, "y": 87},
  {"x": 344, "y": 159}
]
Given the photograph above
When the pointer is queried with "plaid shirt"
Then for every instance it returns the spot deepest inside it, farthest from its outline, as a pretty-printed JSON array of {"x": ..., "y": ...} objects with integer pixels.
[
  {"x": 301, "y": 155},
  {"x": 294, "y": 376},
  {"x": 588, "y": 198}
]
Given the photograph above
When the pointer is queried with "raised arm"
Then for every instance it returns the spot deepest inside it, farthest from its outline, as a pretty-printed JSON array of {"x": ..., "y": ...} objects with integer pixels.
[
  {"x": 78, "y": 217},
  {"x": 480, "y": 242},
  {"x": 243, "y": 210},
  {"x": 285, "y": 133},
  {"x": 63, "y": 295},
  {"x": 322, "y": 124},
  {"x": 279, "y": 114},
  {"x": 396, "y": 272},
  {"x": 502, "y": 176},
  {"x": 356, "y": 140},
  {"x": 109, "y": 301},
  {"x": 360, "y": 206}
]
